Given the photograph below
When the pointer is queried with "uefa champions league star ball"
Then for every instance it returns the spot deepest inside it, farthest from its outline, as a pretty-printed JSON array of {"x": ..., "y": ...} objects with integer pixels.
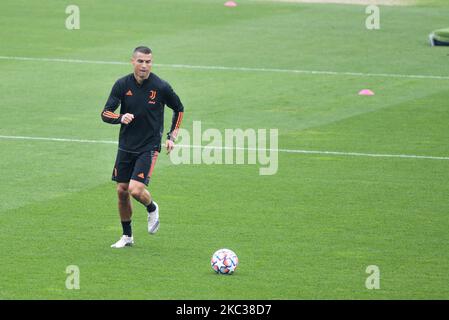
[{"x": 224, "y": 261}]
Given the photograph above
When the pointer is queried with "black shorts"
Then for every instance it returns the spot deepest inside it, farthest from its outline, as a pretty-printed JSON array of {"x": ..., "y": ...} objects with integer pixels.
[{"x": 136, "y": 166}]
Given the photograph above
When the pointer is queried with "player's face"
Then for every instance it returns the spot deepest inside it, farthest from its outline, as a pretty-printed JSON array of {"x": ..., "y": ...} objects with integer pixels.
[{"x": 142, "y": 64}]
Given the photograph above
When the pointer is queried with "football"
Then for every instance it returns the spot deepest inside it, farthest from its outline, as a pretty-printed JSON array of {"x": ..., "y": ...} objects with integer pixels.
[{"x": 224, "y": 261}]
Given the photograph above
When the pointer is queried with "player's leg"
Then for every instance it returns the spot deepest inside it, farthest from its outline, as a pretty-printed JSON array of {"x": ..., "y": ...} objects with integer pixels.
[
  {"x": 124, "y": 207},
  {"x": 140, "y": 178},
  {"x": 139, "y": 192},
  {"x": 124, "y": 201},
  {"x": 121, "y": 174},
  {"x": 125, "y": 211}
]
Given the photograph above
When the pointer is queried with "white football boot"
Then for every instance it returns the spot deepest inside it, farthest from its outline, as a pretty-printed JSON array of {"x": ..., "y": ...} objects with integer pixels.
[
  {"x": 432, "y": 40},
  {"x": 124, "y": 241},
  {"x": 153, "y": 220}
]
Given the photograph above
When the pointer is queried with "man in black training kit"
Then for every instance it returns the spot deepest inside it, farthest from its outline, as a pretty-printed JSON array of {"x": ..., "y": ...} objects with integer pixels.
[{"x": 142, "y": 96}]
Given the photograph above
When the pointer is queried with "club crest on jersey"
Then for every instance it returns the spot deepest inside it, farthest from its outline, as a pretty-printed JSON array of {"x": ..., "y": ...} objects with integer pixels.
[{"x": 152, "y": 97}]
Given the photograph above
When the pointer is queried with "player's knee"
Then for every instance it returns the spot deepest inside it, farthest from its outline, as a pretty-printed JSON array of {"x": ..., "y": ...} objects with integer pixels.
[
  {"x": 135, "y": 192},
  {"x": 123, "y": 192}
]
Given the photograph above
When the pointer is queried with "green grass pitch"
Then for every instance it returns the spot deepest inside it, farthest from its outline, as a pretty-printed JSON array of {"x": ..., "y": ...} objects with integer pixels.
[{"x": 307, "y": 232}]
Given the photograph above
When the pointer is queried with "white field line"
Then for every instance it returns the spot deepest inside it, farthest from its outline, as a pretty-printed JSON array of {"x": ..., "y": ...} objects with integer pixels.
[
  {"x": 334, "y": 153},
  {"x": 355, "y": 2},
  {"x": 246, "y": 69}
]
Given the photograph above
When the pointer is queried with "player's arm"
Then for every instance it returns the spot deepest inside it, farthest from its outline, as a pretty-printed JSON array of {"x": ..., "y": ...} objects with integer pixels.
[
  {"x": 108, "y": 114},
  {"x": 174, "y": 103}
]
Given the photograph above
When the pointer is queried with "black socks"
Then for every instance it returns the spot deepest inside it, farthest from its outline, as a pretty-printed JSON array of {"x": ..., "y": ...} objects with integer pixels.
[
  {"x": 151, "y": 207},
  {"x": 126, "y": 225}
]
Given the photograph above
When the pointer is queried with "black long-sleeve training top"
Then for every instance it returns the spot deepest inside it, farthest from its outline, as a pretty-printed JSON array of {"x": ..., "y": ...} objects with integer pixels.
[{"x": 146, "y": 102}]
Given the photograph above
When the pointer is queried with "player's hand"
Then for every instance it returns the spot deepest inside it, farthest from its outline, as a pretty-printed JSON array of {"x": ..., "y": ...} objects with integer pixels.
[
  {"x": 169, "y": 145},
  {"x": 127, "y": 118}
]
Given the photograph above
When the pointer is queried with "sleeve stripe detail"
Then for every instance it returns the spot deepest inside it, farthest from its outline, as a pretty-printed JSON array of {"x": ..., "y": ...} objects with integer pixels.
[
  {"x": 109, "y": 114},
  {"x": 178, "y": 124}
]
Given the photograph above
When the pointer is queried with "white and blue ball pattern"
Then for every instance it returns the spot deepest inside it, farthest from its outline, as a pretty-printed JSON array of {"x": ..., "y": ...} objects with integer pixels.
[{"x": 224, "y": 261}]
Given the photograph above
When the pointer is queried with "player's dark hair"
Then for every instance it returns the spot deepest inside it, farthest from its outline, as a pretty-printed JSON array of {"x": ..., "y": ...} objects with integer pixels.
[{"x": 142, "y": 49}]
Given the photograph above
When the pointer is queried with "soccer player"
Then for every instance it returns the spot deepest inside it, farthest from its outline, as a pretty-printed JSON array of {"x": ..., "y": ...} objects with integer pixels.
[{"x": 142, "y": 96}]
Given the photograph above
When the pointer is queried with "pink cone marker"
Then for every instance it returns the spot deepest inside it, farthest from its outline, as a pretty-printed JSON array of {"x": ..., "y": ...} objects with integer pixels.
[
  {"x": 366, "y": 92},
  {"x": 230, "y": 4}
]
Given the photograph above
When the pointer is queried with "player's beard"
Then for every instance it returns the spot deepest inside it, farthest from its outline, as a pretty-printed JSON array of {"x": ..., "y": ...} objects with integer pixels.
[{"x": 144, "y": 74}]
